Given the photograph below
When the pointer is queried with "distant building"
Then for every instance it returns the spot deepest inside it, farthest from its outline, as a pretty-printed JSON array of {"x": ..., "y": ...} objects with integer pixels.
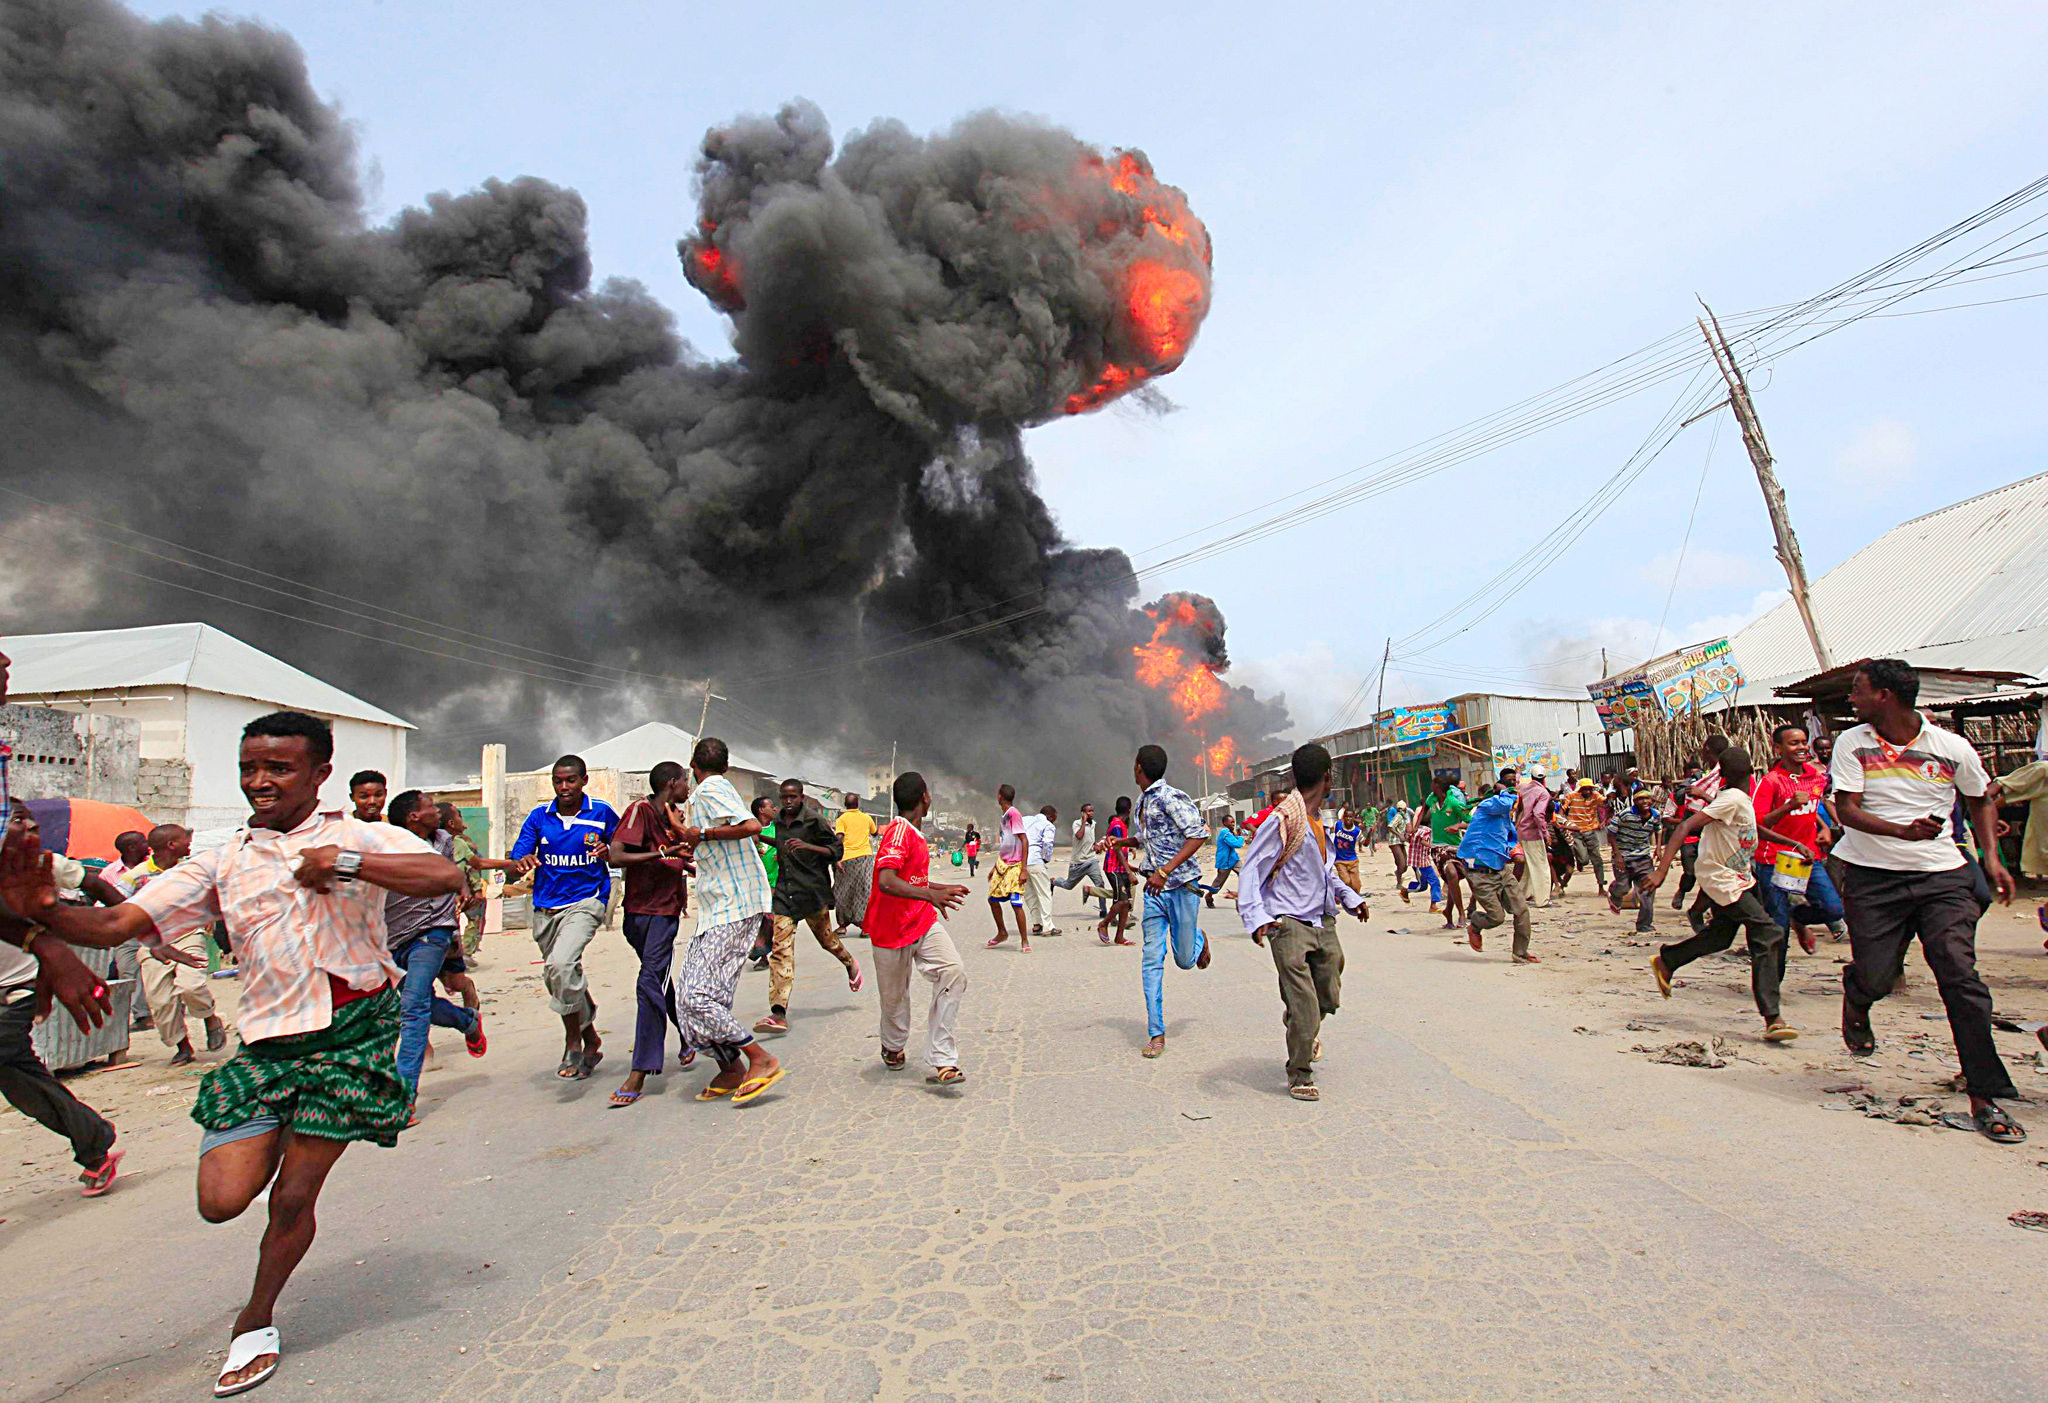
[{"x": 192, "y": 688}]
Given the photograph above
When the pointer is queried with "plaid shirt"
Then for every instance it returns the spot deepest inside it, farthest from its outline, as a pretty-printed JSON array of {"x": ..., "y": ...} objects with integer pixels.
[
  {"x": 732, "y": 885},
  {"x": 286, "y": 936},
  {"x": 1167, "y": 818}
]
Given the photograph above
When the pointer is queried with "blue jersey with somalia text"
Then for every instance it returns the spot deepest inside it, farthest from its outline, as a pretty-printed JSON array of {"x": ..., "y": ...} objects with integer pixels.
[{"x": 569, "y": 870}]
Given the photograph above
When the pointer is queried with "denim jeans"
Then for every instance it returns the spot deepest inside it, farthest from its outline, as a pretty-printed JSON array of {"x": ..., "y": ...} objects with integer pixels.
[
  {"x": 1426, "y": 877},
  {"x": 1170, "y": 916},
  {"x": 1819, "y": 904},
  {"x": 418, "y": 1004}
]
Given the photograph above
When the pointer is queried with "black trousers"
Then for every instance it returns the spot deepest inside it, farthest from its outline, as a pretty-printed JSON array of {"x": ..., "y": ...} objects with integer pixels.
[
  {"x": 1766, "y": 946},
  {"x": 32, "y": 1089},
  {"x": 1886, "y": 911}
]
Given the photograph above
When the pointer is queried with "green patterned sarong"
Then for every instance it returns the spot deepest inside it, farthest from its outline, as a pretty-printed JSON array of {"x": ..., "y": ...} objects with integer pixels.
[{"x": 340, "y": 1082}]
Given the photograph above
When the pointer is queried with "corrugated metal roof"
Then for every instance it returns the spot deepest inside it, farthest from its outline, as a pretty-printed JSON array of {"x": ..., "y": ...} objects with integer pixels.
[
  {"x": 200, "y": 656},
  {"x": 1962, "y": 587}
]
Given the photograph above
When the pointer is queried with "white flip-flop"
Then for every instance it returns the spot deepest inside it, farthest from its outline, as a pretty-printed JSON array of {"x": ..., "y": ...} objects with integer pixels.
[{"x": 245, "y": 1349}]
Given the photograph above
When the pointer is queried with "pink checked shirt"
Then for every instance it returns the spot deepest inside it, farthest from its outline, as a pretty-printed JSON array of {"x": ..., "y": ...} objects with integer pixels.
[{"x": 287, "y": 937}]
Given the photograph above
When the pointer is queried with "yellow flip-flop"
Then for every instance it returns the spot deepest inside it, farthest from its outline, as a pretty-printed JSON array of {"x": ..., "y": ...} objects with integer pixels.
[
  {"x": 716, "y": 1093},
  {"x": 754, "y": 1086}
]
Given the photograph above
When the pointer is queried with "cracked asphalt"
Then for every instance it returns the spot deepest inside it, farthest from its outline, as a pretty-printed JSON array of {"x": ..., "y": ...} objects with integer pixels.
[{"x": 1485, "y": 1203}]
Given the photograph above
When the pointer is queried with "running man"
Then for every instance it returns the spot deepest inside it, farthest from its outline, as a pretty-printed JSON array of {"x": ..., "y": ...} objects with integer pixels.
[
  {"x": 1788, "y": 797},
  {"x": 856, "y": 868},
  {"x": 1085, "y": 864},
  {"x": 418, "y": 931},
  {"x": 1344, "y": 840},
  {"x": 1116, "y": 871},
  {"x": 807, "y": 847},
  {"x": 1006, "y": 873},
  {"x": 1041, "y": 831},
  {"x": 647, "y": 849},
  {"x": 566, "y": 844},
  {"x": 1486, "y": 854},
  {"x": 1896, "y": 779},
  {"x": 1288, "y": 897},
  {"x": 302, "y": 893},
  {"x": 1585, "y": 826},
  {"x": 732, "y": 896},
  {"x": 1698, "y": 792},
  {"x": 1635, "y": 832},
  {"x": 907, "y": 934},
  {"x": 1170, "y": 832},
  {"x": 1230, "y": 845},
  {"x": 175, "y": 990},
  {"x": 764, "y": 810},
  {"x": 1724, "y": 864}
]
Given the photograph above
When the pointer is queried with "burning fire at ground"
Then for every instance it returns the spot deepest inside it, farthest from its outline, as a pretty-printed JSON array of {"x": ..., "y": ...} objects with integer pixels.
[{"x": 1182, "y": 660}]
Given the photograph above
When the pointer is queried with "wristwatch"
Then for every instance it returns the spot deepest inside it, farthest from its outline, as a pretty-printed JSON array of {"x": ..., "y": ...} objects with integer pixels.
[{"x": 347, "y": 864}]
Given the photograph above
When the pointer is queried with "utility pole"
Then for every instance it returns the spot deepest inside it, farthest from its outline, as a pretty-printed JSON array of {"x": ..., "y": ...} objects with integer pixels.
[
  {"x": 704, "y": 716},
  {"x": 1379, "y": 704},
  {"x": 1774, "y": 495},
  {"x": 1603, "y": 664}
]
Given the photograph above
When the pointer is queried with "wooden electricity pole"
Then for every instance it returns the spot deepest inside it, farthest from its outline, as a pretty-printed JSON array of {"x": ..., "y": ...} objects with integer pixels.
[
  {"x": 1774, "y": 495},
  {"x": 1378, "y": 740},
  {"x": 704, "y": 716}
]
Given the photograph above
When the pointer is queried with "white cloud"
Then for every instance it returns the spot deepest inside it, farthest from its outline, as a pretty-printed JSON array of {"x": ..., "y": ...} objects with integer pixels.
[
  {"x": 1707, "y": 568},
  {"x": 1882, "y": 455}
]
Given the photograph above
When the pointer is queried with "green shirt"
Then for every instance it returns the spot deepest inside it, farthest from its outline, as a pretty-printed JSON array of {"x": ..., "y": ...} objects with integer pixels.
[
  {"x": 770, "y": 859},
  {"x": 465, "y": 853},
  {"x": 1445, "y": 816}
]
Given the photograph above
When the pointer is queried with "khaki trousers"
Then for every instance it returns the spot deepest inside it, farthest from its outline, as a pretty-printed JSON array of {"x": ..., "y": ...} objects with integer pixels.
[
  {"x": 1497, "y": 895},
  {"x": 1535, "y": 872},
  {"x": 175, "y": 990},
  {"x": 782, "y": 953},
  {"x": 1038, "y": 897},
  {"x": 1310, "y": 962},
  {"x": 935, "y": 957}
]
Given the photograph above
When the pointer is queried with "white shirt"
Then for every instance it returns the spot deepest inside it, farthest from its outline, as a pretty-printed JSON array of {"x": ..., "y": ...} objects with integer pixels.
[
  {"x": 1084, "y": 837},
  {"x": 1040, "y": 835},
  {"x": 1900, "y": 784}
]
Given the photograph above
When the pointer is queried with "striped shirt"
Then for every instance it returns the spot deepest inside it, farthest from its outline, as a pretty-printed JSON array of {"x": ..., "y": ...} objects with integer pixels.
[
  {"x": 732, "y": 885},
  {"x": 287, "y": 937},
  {"x": 1636, "y": 833}
]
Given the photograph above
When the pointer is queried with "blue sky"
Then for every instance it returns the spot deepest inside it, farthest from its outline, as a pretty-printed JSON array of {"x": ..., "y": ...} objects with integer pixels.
[{"x": 1420, "y": 215}]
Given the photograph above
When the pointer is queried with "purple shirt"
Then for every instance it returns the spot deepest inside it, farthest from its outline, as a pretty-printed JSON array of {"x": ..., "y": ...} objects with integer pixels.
[
  {"x": 1532, "y": 812},
  {"x": 1306, "y": 888}
]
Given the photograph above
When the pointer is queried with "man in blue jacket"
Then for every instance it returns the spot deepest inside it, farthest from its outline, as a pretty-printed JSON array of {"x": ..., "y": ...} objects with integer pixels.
[{"x": 1488, "y": 852}]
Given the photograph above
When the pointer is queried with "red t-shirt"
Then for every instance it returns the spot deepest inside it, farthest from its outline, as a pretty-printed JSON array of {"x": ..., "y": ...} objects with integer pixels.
[
  {"x": 1773, "y": 788},
  {"x": 1113, "y": 860},
  {"x": 652, "y": 888},
  {"x": 893, "y": 921}
]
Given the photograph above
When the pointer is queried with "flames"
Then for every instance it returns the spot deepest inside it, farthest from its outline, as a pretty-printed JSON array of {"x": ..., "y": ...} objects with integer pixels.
[
  {"x": 710, "y": 269},
  {"x": 1164, "y": 293},
  {"x": 1189, "y": 680}
]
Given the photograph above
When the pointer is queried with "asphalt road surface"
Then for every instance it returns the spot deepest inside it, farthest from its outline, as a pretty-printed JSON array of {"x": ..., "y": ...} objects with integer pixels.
[{"x": 1486, "y": 1203}]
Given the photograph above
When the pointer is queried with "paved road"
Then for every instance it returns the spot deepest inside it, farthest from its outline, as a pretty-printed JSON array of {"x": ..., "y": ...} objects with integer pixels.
[{"x": 1485, "y": 1204}]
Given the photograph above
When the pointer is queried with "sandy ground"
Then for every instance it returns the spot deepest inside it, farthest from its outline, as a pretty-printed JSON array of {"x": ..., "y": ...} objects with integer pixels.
[{"x": 1495, "y": 1196}]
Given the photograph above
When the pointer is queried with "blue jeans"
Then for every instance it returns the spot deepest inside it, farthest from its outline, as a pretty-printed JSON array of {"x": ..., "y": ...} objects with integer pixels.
[
  {"x": 1169, "y": 915},
  {"x": 1818, "y": 905},
  {"x": 1426, "y": 877},
  {"x": 418, "y": 1004}
]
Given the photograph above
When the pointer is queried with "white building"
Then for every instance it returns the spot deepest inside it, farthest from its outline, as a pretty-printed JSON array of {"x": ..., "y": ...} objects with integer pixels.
[{"x": 193, "y": 688}]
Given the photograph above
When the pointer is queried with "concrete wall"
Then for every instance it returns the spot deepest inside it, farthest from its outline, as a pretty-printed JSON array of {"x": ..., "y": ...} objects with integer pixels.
[
  {"x": 71, "y": 755},
  {"x": 163, "y": 789}
]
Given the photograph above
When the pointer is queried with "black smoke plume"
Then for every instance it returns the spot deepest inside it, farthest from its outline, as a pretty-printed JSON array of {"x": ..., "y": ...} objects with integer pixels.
[{"x": 202, "y": 338}]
